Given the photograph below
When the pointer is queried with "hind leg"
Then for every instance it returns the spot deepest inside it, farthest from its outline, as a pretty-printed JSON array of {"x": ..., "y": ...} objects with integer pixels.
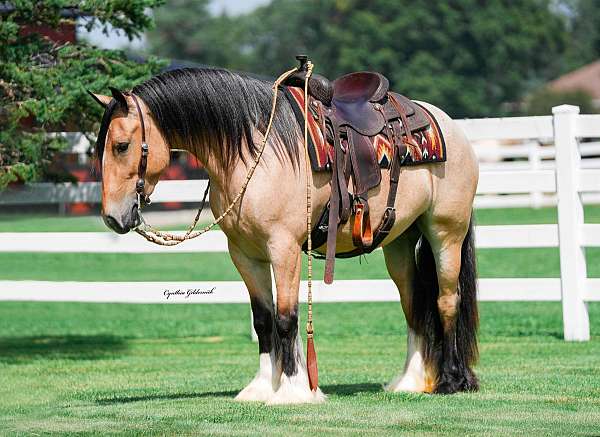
[
  {"x": 400, "y": 263},
  {"x": 454, "y": 373}
]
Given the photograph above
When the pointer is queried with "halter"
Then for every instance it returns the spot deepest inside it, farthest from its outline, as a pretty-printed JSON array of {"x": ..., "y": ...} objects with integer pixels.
[{"x": 141, "y": 182}]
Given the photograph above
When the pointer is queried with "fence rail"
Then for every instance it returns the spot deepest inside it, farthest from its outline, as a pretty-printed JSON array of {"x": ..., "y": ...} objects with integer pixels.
[{"x": 566, "y": 179}]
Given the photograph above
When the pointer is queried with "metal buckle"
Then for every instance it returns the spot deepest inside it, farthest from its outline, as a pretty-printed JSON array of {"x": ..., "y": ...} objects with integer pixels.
[
  {"x": 139, "y": 186},
  {"x": 144, "y": 149},
  {"x": 384, "y": 227}
]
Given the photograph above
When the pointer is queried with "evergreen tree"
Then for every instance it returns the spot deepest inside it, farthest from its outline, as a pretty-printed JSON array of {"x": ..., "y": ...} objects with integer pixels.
[{"x": 43, "y": 84}]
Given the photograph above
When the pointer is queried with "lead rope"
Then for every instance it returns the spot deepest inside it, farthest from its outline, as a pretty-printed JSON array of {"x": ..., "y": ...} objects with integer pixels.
[
  {"x": 311, "y": 355},
  {"x": 169, "y": 239}
]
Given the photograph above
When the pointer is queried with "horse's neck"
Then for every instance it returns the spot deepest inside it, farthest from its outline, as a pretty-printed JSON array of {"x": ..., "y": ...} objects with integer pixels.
[{"x": 224, "y": 183}]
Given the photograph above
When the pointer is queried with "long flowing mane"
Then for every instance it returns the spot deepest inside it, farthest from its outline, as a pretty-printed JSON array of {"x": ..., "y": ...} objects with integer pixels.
[{"x": 197, "y": 108}]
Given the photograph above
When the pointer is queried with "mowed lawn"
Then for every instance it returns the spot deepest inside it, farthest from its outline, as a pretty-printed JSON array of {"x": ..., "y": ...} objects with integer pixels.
[{"x": 174, "y": 369}]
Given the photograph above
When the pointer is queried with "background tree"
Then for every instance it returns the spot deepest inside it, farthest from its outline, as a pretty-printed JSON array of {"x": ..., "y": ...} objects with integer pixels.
[
  {"x": 583, "y": 21},
  {"x": 543, "y": 100},
  {"x": 466, "y": 56},
  {"x": 43, "y": 84},
  {"x": 185, "y": 30}
]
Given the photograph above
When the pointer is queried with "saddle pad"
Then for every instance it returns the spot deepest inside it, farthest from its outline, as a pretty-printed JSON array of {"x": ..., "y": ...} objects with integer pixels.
[{"x": 432, "y": 147}]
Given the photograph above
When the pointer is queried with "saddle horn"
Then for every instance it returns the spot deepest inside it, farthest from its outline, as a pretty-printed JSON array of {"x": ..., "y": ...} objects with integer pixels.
[{"x": 319, "y": 86}]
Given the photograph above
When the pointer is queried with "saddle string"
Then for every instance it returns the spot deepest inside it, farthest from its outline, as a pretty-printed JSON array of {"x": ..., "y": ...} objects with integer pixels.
[
  {"x": 311, "y": 356},
  {"x": 169, "y": 239}
]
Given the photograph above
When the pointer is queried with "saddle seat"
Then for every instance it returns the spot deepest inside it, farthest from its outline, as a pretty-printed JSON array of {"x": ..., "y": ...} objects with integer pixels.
[
  {"x": 353, "y": 98},
  {"x": 362, "y": 86}
]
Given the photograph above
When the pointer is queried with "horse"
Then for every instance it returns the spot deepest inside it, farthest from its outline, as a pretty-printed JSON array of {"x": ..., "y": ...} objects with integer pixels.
[{"x": 220, "y": 117}]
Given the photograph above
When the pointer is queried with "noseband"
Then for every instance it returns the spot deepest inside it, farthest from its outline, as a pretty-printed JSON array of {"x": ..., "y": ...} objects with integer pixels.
[{"x": 141, "y": 182}]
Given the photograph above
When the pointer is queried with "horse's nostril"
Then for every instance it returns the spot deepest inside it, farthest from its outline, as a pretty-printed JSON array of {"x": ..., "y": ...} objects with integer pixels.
[
  {"x": 113, "y": 223},
  {"x": 110, "y": 221}
]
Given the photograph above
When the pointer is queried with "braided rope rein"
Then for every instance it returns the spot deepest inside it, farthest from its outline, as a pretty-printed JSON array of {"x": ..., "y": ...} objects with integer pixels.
[{"x": 169, "y": 239}]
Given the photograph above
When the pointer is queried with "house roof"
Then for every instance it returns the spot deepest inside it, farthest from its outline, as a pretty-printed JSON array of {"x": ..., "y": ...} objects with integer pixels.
[{"x": 586, "y": 78}]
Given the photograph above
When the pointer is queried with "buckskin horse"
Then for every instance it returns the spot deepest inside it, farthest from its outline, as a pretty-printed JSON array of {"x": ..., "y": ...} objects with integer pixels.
[{"x": 425, "y": 231}]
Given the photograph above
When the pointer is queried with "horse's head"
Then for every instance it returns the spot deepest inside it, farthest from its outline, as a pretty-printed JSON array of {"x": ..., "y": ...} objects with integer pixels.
[{"x": 119, "y": 148}]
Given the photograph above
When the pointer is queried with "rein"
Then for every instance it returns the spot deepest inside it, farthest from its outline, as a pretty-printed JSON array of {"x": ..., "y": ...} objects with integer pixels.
[{"x": 169, "y": 239}]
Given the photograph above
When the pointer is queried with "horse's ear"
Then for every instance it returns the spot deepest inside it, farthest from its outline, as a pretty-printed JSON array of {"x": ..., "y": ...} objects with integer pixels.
[
  {"x": 102, "y": 100},
  {"x": 119, "y": 97}
]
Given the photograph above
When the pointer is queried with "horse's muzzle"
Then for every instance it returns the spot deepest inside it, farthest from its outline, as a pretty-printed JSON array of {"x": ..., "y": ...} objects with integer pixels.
[{"x": 128, "y": 222}]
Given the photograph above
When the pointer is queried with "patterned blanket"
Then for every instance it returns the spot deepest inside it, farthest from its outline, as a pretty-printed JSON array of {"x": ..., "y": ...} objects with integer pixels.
[{"x": 432, "y": 147}]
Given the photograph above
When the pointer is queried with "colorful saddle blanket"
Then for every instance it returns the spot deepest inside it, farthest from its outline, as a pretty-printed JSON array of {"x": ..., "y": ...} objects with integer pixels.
[{"x": 432, "y": 147}]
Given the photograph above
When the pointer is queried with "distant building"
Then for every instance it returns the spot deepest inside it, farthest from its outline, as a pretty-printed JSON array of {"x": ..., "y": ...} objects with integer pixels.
[
  {"x": 586, "y": 78},
  {"x": 64, "y": 33}
]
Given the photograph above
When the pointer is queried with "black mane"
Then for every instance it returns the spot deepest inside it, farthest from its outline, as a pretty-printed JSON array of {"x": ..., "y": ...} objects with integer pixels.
[{"x": 214, "y": 108}]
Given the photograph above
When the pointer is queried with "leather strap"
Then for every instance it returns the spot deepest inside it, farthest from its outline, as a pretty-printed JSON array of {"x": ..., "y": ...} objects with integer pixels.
[
  {"x": 389, "y": 216},
  {"x": 341, "y": 160},
  {"x": 334, "y": 208},
  {"x": 410, "y": 140},
  {"x": 141, "y": 182}
]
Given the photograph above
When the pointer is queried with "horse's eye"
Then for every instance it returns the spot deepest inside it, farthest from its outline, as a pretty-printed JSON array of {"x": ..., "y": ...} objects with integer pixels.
[{"x": 122, "y": 147}]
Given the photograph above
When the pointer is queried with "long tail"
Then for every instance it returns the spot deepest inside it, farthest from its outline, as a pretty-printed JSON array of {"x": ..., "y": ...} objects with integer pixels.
[{"x": 425, "y": 316}]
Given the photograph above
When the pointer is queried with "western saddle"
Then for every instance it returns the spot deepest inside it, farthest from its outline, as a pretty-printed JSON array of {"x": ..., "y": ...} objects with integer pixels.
[{"x": 350, "y": 111}]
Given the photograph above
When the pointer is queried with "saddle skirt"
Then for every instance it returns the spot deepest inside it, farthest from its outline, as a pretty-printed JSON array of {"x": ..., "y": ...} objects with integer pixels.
[{"x": 430, "y": 141}]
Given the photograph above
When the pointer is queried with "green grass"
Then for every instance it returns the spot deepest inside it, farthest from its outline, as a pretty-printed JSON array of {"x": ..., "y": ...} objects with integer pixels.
[{"x": 174, "y": 369}]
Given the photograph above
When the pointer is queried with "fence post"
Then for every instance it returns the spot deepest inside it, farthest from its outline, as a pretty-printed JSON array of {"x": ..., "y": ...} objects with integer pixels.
[{"x": 573, "y": 272}]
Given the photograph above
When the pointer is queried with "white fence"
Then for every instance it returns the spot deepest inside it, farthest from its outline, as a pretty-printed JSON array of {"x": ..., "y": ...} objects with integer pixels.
[{"x": 566, "y": 180}]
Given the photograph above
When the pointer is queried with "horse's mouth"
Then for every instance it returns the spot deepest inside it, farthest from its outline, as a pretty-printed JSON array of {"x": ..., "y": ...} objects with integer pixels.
[
  {"x": 129, "y": 222},
  {"x": 114, "y": 224}
]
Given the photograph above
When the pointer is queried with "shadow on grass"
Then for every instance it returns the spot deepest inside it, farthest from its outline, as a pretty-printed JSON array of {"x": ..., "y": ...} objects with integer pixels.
[
  {"x": 17, "y": 350},
  {"x": 351, "y": 389},
  {"x": 334, "y": 389},
  {"x": 164, "y": 397}
]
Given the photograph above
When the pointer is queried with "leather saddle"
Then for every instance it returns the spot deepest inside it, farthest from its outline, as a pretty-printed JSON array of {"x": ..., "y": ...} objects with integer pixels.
[{"x": 350, "y": 111}]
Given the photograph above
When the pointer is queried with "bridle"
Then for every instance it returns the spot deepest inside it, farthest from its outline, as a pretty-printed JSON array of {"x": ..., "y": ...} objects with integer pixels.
[
  {"x": 143, "y": 165},
  {"x": 140, "y": 185}
]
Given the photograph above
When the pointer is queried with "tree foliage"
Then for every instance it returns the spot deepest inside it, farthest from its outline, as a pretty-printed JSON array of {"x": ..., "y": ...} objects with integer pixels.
[
  {"x": 43, "y": 84},
  {"x": 543, "y": 100},
  {"x": 185, "y": 30},
  {"x": 467, "y": 56},
  {"x": 583, "y": 20}
]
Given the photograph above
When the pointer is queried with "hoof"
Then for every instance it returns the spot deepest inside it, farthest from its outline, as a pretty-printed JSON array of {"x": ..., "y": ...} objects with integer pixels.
[
  {"x": 449, "y": 384},
  {"x": 406, "y": 383},
  {"x": 259, "y": 390},
  {"x": 290, "y": 393}
]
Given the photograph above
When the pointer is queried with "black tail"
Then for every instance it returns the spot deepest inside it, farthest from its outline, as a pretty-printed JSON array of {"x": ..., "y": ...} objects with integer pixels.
[{"x": 454, "y": 370}]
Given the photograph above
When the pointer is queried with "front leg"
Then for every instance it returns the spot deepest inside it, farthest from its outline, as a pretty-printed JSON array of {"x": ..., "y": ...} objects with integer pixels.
[
  {"x": 293, "y": 386},
  {"x": 257, "y": 277}
]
